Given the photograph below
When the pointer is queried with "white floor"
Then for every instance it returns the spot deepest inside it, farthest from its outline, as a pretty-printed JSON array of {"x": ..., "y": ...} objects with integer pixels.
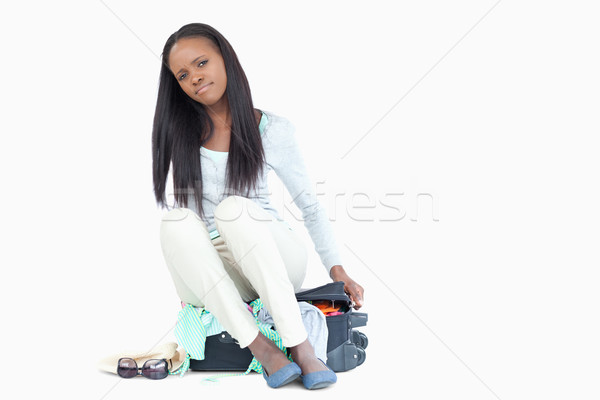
[{"x": 453, "y": 144}]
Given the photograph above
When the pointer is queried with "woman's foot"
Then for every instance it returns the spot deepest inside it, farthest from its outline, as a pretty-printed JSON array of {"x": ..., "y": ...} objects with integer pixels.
[
  {"x": 315, "y": 373},
  {"x": 268, "y": 354},
  {"x": 304, "y": 355},
  {"x": 277, "y": 369}
]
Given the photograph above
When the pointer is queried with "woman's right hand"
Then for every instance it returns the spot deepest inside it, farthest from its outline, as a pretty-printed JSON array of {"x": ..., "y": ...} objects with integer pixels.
[{"x": 353, "y": 289}]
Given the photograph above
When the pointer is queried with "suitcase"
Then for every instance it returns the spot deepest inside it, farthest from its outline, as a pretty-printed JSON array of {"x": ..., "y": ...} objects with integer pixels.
[{"x": 345, "y": 345}]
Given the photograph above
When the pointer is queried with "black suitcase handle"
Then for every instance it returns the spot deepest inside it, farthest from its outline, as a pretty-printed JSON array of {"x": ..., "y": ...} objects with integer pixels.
[{"x": 358, "y": 319}]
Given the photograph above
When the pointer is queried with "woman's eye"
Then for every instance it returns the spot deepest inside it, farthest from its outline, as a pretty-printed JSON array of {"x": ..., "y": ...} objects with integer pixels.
[{"x": 200, "y": 64}]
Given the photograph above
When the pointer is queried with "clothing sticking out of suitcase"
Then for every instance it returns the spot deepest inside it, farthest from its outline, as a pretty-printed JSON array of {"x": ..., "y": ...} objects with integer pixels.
[{"x": 345, "y": 345}]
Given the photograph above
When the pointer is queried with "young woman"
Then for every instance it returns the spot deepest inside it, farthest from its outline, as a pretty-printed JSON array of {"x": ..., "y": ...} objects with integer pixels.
[{"x": 224, "y": 243}]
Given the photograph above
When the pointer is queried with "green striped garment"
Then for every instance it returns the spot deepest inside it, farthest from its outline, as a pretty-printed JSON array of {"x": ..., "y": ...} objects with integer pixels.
[{"x": 195, "y": 324}]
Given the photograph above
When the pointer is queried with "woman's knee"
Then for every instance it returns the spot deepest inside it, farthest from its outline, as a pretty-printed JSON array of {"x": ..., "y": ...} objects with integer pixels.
[
  {"x": 238, "y": 208},
  {"x": 229, "y": 209}
]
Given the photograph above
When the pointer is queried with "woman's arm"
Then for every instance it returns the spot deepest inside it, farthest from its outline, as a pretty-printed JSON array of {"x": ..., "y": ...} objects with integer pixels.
[
  {"x": 290, "y": 168},
  {"x": 288, "y": 163}
]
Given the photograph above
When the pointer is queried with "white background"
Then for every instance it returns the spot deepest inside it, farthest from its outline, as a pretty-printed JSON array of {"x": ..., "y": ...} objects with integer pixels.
[{"x": 486, "y": 288}]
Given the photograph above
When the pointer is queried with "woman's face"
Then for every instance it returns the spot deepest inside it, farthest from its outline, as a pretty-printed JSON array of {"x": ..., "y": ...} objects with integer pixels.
[{"x": 200, "y": 70}]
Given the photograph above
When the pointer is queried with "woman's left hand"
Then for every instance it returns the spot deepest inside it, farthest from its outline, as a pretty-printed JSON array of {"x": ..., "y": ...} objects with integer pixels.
[{"x": 353, "y": 289}]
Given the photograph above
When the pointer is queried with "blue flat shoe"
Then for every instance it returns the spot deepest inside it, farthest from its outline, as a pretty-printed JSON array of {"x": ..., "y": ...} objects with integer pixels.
[
  {"x": 283, "y": 376},
  {"x": 319, "y": 379}
]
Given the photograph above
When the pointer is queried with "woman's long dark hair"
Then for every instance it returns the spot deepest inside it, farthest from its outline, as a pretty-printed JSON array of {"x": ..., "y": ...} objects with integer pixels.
[{"x": 182, "y": 126}]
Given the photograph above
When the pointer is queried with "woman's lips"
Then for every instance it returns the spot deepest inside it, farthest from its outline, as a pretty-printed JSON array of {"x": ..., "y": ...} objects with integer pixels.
[{"x": 203, "y": 88}]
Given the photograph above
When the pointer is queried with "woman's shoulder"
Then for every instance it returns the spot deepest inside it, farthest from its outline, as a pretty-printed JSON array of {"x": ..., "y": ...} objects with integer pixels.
[
  {"x": 278, "y": 128},
  {"x": 279, "y": 141}
]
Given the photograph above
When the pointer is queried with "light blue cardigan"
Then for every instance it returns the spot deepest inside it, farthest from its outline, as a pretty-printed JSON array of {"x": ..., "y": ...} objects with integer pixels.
[{"x": 283, "y": 156}]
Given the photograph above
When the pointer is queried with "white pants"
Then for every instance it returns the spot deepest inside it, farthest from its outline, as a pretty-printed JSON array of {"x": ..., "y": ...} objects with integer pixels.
[{"x": 255, "y": 256}]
